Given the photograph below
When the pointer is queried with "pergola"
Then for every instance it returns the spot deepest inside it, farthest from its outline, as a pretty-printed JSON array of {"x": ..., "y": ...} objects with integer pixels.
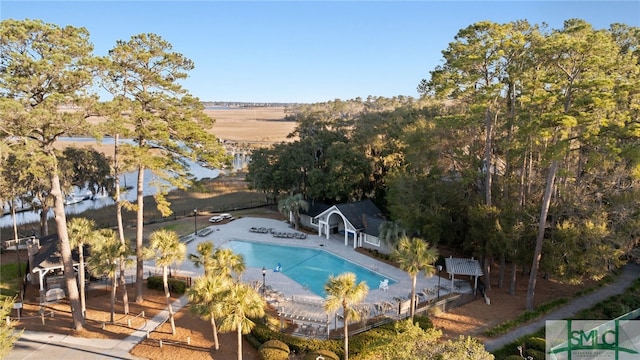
[{"x": 461, "y": 266}]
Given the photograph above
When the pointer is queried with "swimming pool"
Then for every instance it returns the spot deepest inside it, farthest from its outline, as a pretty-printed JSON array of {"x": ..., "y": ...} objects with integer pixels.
[{"x": 309, "y": 267}]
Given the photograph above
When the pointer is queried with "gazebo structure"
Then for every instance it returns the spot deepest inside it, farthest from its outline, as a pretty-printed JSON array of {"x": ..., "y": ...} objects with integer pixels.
[
  {"x": 460, "y": 266},
  {"x": 45, "y": 260}
]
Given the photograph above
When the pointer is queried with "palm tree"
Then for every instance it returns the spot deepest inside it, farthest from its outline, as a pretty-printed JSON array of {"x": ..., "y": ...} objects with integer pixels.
[
  {"x": 342, "y": 291},
  {"x": 414, "y": 255},
  {"x": 292, "y": 206},
  {"x": 207, "y": 293},
  {"x": 167, "y": 250},
  {"x": 204, "y": 257},
  {"x": 106, "y": 254},
  {"x": 227, "y": 263},
  {"x": 391, "y": 232},
  {"x": 241, "y": 303},
  {"x": 205, "y": 297},
  {"x": 80, "y": 233}
]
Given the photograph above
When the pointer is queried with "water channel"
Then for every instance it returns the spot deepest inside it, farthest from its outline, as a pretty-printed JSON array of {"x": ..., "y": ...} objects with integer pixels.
[{"x": 128, "y": 180}]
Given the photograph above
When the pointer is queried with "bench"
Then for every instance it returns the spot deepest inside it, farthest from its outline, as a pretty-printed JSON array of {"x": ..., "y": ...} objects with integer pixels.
[
  {"x": 205, "y": 232},
  {"x": 187, "y": 239}
]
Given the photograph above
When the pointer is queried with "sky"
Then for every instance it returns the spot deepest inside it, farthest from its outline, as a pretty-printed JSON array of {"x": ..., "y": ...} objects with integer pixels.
[{"x": 307, "y": 51}]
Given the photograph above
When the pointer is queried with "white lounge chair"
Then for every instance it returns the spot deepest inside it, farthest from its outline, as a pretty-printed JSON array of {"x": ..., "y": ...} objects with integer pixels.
[{"x": 384, "y": 285}]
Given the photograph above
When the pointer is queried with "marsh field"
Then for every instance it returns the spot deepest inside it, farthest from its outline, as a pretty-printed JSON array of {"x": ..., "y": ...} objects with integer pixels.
[
  {"x": 251, "y": 124},
  {"x": 256, "y": 125},
  {"x": 259, "y": 126}
]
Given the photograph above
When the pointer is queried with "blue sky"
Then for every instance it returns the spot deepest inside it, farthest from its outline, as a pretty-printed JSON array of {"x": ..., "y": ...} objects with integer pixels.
[{"x": 304, "y": 51}]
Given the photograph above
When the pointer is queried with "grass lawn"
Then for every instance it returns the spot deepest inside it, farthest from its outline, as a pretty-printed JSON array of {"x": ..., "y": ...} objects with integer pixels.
[{"x": 9, "y": 279}]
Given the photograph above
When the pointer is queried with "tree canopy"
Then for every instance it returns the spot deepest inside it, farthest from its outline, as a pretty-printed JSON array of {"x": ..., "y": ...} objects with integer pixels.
[{"x": 522, "y": 148}]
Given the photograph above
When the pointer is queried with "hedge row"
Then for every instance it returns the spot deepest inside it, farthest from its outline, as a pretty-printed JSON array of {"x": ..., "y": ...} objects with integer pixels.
[
  {"x": 175, "y": 286},
  {"x": 357, "y": 344}
]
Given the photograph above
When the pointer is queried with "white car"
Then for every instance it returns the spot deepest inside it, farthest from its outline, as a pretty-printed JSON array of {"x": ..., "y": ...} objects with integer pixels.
[{"x": 215, "y": 219}]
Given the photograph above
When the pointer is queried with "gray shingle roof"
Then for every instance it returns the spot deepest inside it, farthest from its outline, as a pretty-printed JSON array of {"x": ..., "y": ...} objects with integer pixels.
[
  {"x": 315, "y": 208},
  {"x": 361, "y": 213},
  {"x": 49, "y": 254}
]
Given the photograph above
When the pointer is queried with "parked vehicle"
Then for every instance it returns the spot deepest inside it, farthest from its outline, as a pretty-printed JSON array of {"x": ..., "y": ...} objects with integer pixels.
[{"x": 215, "y": 219}]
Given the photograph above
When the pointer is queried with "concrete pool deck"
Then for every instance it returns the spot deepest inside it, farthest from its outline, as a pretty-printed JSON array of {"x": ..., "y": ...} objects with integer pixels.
[{"x": 240, "y": 229}]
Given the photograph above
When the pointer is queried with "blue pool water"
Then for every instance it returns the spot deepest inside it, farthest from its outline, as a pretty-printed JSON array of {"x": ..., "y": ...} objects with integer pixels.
[{"x": 308, "y": 267}]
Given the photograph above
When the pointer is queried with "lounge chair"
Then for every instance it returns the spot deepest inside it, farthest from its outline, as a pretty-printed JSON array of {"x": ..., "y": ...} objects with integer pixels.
[{"x": 384, "y": 285}]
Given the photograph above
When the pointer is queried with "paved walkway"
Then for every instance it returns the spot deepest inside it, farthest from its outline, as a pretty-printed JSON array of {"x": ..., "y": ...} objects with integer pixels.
[{"x": 630, "y": 272}]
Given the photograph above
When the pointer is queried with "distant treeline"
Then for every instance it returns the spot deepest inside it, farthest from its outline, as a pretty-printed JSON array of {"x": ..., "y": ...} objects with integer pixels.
[{"x": 235, "y": 104}]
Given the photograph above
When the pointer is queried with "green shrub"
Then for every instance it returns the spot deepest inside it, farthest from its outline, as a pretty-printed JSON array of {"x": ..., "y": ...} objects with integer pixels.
[
  {"x": 155, "y": 283},
  {"x": 299, "y": 345},
  {"x": 513, "y": 357},
  {"x": 275, "y": 344},
  {"x": 273, "y": 354},
  {"x": 423, "y": 321},
  {"x": 612, "y": 309},
  {"x": 536, "y": 343},
  {"x": 326, "y": 354},
  {"x": 633, "y": 302},
  {"x": 175, "y": 286},
  {"x": 537, "y": 355},
  {"x": 252, "y": 341},
  {"x": 274, "y": 350}
]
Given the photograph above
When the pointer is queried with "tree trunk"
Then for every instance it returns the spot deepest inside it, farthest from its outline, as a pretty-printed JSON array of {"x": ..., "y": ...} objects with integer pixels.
[
  {"x": 113, "y": 296},
  {"x": 15, "y": 236},
  {"x": 116, "y": 175},
  {"x": 488, "y": 150},
  {"x": 165, "y": 281},
  {"x": 44, "y": 223},
  {"x": 296, "y": 221},
  {"x": 487, "y": 157},
  {"x": 346, "y": 333},
  {"x": 412, "y": 302},
  {"x": 214, "y": 328},
  {"x": 503, "y": 265},
  {"x": 139, "y": 236},
  {"x": 239, "y": 332},
  {"x": 537, "y": 253},
  {"x": 65, "y": 251},
  {"x": 512, "y": 283},
  {"x": 487, "y": 260},
  {"x": 83, "y": 299}
]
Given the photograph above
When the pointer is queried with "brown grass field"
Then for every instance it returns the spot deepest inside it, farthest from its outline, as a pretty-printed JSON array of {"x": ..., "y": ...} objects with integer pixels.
[
  {"x": 255, "y": 125},
  {"x": 258, "y": 126},
  {"x": 261, "y": 126}
]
